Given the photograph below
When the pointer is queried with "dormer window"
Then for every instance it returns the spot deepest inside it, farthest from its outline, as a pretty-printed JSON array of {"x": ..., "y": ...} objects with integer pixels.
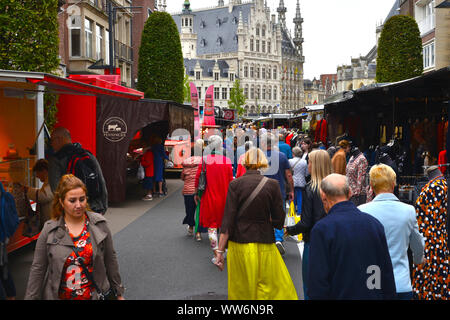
[
  {"x": 218, "y": 22},
  {"x": 219, "y": 41},
  {"x": 235, "y": 20},
  {"x": 203, "y": 43},
  {"x": 202, "y": 24}
]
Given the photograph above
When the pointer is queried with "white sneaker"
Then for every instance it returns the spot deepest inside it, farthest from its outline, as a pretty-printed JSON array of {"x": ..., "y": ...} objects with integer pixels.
[{"x": 280, "y": 247}]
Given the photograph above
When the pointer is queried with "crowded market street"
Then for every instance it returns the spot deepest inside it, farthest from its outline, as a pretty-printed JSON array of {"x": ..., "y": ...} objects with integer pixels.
[{"x": 157, "y": 259}]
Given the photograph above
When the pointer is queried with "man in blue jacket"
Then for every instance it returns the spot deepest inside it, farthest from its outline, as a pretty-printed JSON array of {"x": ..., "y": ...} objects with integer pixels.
[{"x": 349, "y": 256}]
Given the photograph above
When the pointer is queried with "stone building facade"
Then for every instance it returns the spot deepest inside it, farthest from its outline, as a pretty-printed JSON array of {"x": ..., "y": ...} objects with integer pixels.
[
  {"x": 84, "y": 37},
  {"x": 243, "y": 40}
]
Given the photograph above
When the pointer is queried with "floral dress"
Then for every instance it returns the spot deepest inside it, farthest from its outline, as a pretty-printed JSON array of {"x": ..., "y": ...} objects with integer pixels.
[
  {"x": 431, "y": 280},
  {"x": 74, "y": 283}
]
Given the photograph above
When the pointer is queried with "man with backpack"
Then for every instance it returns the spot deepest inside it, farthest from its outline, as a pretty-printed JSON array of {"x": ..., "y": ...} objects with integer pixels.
[{"x": 71, "y": 158}]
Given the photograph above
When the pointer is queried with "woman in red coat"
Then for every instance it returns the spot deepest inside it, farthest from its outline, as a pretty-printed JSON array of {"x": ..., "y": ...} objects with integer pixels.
[{"x": 219, "y": 174}]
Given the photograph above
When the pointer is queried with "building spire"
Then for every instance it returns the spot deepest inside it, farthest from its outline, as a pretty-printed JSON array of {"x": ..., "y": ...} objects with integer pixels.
[
  {"x": 298, "y": 21},
  {"x": 282, "y": 13},
  {"x": 186, "y": 7}
]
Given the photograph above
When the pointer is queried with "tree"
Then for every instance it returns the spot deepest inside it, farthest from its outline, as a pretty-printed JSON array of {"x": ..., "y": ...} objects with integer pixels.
[
  {"x": 399, "y": 50},
  {"x": 161, "y": 66},
  {"x": 29, "y": 35},
  {"x": 237, "y": 98}
]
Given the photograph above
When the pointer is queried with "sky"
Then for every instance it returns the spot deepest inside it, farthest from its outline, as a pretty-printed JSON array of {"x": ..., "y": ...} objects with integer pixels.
[{"x": 334, "y": 31}]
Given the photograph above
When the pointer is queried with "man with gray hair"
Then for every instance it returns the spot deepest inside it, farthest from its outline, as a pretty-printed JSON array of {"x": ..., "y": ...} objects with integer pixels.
[{"x": 349, "y": 253}]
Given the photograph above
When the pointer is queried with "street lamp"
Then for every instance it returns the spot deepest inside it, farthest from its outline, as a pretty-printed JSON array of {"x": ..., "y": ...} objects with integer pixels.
[{"x": 111, "y": 11}]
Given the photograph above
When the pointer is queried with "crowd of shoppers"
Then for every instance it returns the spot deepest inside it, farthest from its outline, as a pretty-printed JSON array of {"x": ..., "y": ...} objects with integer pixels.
[
  {"x": 348, "y": 213},
  {"x": 237, "y": 188}
]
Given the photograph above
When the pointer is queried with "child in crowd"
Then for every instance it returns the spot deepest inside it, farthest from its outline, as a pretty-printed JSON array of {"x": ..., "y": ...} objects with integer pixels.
[{"x": 147, "y": 161}]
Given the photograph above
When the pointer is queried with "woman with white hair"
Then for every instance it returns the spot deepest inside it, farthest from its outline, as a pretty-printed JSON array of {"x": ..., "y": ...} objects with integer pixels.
[{"x": 219, "y": 174}]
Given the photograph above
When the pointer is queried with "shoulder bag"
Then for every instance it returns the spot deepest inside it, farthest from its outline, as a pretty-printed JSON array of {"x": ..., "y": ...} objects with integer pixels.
[
  {"x": 254, "y": 194},
  {"x": 202, "y": 179},
  {"x": 292, "y": 169},
  {"x": 110, "y": 294}
]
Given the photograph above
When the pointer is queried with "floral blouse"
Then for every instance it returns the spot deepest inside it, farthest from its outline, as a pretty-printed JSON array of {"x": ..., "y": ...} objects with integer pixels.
[
  {"x": 74, "y": 283},
  {"x": 357, "y": 173}
]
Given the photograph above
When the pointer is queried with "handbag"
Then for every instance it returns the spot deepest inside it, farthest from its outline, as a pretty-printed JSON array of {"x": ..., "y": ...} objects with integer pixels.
[
  {"x": 202, "y": 178},
  {"x": 110, "y": 294},
  {"x": 32, "y": 224}
]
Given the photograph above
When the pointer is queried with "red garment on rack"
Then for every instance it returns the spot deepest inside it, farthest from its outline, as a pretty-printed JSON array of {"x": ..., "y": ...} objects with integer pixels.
[
  {"x": 442, "y": 128},
  {"x": 323, "y": 132},
  {"x": 318, "y": 130},
  {"x": 442, "y": 159}
]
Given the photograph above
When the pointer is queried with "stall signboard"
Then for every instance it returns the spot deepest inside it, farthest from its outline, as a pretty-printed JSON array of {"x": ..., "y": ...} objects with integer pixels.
[{"x": 229, "y": 114}]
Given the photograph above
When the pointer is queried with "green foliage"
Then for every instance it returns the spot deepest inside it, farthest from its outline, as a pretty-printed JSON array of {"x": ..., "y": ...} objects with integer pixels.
[
  {"x": 186, "y": 89},
  {"x": 161, "y": 66},
  {"x": 50, "y": 109},
  {"x": 399, "y": 50},
  {"x": 237, "y": 98},
  {"x": 29, "y": 35}
]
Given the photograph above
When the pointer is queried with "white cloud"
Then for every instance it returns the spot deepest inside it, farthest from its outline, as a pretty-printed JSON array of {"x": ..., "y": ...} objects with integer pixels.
[{"x": 334, "y": 31}]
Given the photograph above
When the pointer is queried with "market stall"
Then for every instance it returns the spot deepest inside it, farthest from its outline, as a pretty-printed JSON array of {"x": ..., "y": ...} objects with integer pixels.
[
  {"x": 406, "y": 122},
  {"x": 100, "y": 114},
  {"x": 21, "y": 140}
]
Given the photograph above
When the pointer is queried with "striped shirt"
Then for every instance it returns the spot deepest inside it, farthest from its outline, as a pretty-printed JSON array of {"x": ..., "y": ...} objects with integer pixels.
[{"x": 190, "y": 166}]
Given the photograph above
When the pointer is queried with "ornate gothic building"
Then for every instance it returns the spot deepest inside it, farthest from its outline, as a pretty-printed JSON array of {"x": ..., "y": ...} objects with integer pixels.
[{"x": 244, "y": 40}]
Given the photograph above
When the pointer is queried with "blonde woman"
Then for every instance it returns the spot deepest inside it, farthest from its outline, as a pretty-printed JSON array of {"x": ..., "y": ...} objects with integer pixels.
[
  {"x": 254, "y": 207},
  {"x": 319, "y": 166},
  {"x": 74, "y": 240}
]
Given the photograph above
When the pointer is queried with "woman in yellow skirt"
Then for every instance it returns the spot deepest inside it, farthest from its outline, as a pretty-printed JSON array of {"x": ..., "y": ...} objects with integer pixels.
[{"x": 254, "y": 207}]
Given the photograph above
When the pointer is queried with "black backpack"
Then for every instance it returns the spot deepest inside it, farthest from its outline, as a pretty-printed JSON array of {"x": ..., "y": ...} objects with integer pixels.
[{"x": 84, "y": 168}]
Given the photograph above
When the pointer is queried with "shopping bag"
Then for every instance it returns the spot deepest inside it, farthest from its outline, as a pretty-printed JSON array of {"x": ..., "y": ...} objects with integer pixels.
[
  {"x": 292, "y": 219},
  {"x": 32, "y": 223},
  {"x": 141, "y": 173}
]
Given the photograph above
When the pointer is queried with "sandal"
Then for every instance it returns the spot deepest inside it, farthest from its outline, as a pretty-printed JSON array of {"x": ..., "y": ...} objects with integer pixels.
[{"x": 198, "y": 237}]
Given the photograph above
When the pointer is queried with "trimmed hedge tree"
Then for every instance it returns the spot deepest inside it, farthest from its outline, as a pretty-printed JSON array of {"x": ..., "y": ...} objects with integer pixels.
[
  {"x": 161, "y": 66},
  {"x": 399, "y": 50},
  {"x": 29, "y": 35}
]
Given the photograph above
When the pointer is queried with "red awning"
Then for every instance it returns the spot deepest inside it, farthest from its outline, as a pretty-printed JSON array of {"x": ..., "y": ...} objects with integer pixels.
[{"x": 90, "y": 86}]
